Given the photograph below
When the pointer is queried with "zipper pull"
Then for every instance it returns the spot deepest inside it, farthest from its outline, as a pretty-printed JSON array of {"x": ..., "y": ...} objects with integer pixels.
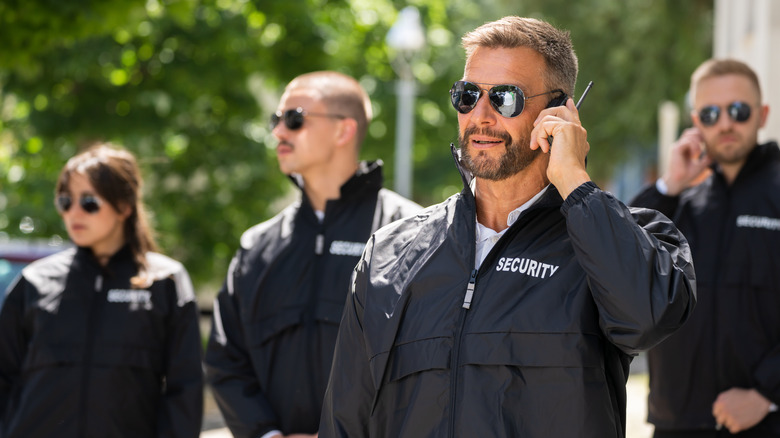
[
  {"x": 470, "y": 290},
  {"x": 98, "y": 283},
  {"x": 319, "y": 244}
]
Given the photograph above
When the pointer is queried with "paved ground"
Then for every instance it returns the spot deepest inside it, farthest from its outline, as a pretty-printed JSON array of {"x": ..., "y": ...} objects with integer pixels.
[{"x": 636, "y": 409}]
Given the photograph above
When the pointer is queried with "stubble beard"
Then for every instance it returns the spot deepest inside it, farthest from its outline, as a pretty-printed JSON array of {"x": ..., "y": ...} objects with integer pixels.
[{"x": 518, "y": 155}]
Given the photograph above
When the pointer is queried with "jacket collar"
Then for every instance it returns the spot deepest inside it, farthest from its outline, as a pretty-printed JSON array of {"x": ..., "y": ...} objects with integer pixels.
[
  {"x": 761, "y": 155},
  {"x": 367, "y": 179}
]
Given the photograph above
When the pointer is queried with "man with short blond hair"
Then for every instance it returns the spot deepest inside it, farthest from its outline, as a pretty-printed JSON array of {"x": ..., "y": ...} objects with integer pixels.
[
  {"x": 276, "y": 317},
  {"x": 721, "y": 371}
]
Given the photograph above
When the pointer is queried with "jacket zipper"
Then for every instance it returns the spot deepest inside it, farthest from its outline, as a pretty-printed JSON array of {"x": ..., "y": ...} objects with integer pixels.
[
  {"x": 88, "y": 352},
  {"x": 458, "y": 341}
]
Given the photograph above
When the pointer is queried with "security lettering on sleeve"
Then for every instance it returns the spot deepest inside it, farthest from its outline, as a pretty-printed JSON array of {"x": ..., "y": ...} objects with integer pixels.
[{"x": 526, "y": 266}]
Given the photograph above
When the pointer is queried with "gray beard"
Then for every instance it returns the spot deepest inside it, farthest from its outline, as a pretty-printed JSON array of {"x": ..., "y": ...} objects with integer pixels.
[{"x": 518, "y": 156}]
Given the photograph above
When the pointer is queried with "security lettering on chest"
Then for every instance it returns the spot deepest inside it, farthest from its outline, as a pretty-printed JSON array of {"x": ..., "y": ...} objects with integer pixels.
[
  {"x": 525, "y": 266},
  {"x": 341, "y": 247},
  {"x": 136, "y": 298},
  {"x": 767, "y": 223}
]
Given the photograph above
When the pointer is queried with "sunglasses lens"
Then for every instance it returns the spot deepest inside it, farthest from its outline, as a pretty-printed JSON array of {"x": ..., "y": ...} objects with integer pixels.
[
  {"x": 275, "y": 119},
  {"x": 709, "y": 115},
  {"x": 508, "y": 100},
  {"x": 63, "y": 203},
  {"x": 293, "y": 119},
  {"x": 739, "y": 111},
  {"x": 90, "y": 204},
  {"x": 464, "y": 96}
]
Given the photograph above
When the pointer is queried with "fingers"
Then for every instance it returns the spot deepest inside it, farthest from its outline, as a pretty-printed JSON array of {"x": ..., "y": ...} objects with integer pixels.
[{"x": 549, "y": 121}]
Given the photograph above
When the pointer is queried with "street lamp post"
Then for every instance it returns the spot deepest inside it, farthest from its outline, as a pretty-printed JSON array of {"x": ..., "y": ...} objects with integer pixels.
[{"x": 406, "y": 38}]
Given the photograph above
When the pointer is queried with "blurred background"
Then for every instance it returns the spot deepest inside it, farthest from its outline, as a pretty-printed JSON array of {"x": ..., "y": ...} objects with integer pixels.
[{"x": 189, "y": 85}]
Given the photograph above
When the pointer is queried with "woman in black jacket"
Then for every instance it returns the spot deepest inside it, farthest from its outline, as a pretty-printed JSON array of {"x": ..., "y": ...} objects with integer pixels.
[{"x": 101, "y": 340}]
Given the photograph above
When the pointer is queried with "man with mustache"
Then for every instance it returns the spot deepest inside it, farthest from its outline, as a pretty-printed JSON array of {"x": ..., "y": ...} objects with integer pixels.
[
  {"x": 276, "y": 317},
  {"x": 513, "y": 308},
  {"x": 720, "y": 374}
]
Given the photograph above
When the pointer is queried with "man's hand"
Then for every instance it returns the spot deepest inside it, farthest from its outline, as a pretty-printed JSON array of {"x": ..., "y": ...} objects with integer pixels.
[
  {"x": 687, "y": 161},
  {"x": 740, "y": 409},
  {"x": 566, "y": 168}
]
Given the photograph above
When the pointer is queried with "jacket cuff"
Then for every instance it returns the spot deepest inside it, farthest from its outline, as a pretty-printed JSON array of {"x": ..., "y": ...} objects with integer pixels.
[{"x": 578, "y": 195}]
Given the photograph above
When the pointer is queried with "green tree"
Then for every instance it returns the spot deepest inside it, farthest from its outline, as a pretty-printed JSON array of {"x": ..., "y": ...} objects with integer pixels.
[{"x": 188, "y": 85}]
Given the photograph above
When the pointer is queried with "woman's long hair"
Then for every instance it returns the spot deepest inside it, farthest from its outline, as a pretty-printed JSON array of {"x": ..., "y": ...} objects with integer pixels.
[{"x": 113, "y": 173}]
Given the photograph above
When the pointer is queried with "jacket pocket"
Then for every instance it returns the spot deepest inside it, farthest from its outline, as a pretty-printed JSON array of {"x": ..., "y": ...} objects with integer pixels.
[
  {"x": 418, "y": 356},
  {"x": 268, "y": 328}
]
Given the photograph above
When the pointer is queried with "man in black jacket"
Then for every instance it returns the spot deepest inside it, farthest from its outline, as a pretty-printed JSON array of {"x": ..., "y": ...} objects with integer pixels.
[
  {"x": 513, "y": 308},
  {"x": 722, "y": 189},
  {"x": 276, "y": 318}
]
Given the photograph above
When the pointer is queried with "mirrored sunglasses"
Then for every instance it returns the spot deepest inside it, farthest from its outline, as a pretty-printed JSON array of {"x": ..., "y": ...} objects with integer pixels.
[
  {"x": 507, "y": 100},
  {"x": 737, "y": 111},
  {"x": 293, "y": 118},
  {"x": 88, "y": 203}
]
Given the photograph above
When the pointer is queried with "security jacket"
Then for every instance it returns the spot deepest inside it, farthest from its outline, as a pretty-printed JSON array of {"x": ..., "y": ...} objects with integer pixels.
[
  {"x": 535, "y": 344},
  {"x": 84, "y": 355},
  {"x": 733, "y": 338},
  {"x": 276, "y": 318}
]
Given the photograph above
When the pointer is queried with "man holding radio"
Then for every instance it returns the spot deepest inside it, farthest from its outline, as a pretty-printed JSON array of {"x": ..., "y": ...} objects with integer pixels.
[
  {"x": 720, "y": 373},
  {"x": 276, "y": 317},
  {"x": 513, "y": 308}
]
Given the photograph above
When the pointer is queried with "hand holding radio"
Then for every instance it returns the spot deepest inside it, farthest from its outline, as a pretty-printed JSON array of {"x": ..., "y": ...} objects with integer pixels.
[{"x": 566, "y": 167}]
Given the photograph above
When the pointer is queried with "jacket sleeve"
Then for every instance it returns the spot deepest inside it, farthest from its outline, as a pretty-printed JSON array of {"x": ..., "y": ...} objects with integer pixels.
[
  {"x": 638, "y": 265},
  {"x": 767, "y": 375},
  {"x": 229, "y": 371},
  {"x": 13, "y": 348},
  {"x": 349, "y": 398},
  {"x": 650, "y": 197},
  {"x": 182, "y": 400}
]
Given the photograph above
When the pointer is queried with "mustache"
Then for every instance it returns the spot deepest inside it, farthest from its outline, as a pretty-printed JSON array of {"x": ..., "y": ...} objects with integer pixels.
[
  {"x": 489, "y": 132},
  {"x": 285, "y": 143}
]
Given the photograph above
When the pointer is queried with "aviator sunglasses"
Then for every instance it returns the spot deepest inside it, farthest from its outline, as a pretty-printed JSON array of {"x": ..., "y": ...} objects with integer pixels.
[
  {"x": 507, "y": 100},
  {"x": 88, "y": 203},
  {"x": 293, "y": 118},
  {"x": 737, "y": 111}
]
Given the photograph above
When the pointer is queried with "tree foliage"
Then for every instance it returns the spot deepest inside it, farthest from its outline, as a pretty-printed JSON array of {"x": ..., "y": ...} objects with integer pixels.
[{"x": 188, "y": 86}]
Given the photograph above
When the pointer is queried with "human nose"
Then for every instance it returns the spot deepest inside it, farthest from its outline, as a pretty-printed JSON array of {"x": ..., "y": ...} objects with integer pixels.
[{"x": 483, "y": 113}]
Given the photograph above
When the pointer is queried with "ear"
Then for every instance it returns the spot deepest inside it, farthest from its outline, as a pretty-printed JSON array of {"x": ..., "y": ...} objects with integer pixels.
[
  {"x": 695, "y": 119},
  {"x": 125, "y": 211},
  {"x": 764, "y": 114},
  {"x": 346, "y": 132}
]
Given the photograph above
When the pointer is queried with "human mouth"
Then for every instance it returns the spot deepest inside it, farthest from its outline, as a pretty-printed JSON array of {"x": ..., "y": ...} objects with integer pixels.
[{"x": 485, "y": 143}]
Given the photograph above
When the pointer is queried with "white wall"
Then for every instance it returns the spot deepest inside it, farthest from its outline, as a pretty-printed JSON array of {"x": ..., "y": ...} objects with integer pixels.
[{"x": 749, "y": 30}]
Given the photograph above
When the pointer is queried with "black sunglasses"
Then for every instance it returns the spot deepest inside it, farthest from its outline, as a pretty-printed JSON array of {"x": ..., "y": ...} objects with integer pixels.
[
  {"x": 88, "y": 203},
  {"x": 293, "y": 118},
  {"x": 738, "y": 111},
  {"x": 507, "y": 100}
]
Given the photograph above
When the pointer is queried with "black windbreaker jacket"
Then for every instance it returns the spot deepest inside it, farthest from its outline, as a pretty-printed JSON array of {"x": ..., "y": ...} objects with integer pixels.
[
  {"x": 276, "y": 318},
  {"x": 565, "y": 298},
  {"x": 733, "y": 338},
  {"x": 82, "y": 355}
]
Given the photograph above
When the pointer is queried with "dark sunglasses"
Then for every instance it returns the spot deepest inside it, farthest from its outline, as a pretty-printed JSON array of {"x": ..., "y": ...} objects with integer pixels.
[
  {"x": 738, "y": 111},
  {"x": 507, "y": 100},
  {"x": 293, "y": 118},
  {"x": 88, "y": 203}
]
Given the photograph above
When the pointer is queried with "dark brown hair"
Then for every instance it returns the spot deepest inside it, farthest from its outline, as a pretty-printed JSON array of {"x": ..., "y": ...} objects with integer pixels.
[
  {"x": 553, "y": 44},
  {"x": 113, "y": 173}
]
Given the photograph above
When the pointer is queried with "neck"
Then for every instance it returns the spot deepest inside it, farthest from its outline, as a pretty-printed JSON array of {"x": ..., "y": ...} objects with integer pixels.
[
  {"x": 325, "y": 184},
  {"x": 105, "y": 251},
  {"x": 730, "y": 171},
  {"x": 496, "y": 199}
]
